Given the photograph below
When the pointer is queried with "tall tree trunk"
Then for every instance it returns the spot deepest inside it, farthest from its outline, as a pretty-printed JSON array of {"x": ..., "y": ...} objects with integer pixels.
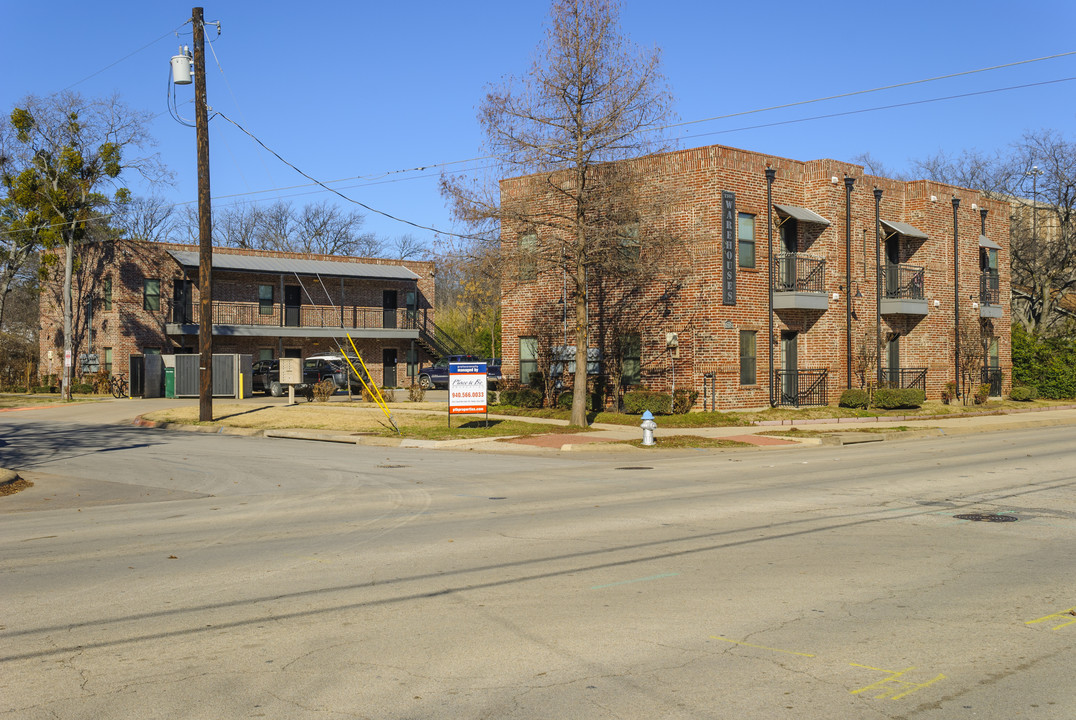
[
  {"x": 69, "y": 264},
  {"x": 579, "y": 391}
]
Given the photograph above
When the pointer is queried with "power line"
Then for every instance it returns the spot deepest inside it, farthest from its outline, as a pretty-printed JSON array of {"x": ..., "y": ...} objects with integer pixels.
[
  {"x": 883, "y": 107},
  {"x": 340, "y": 194},
  {"x": 130, "y": 54}
]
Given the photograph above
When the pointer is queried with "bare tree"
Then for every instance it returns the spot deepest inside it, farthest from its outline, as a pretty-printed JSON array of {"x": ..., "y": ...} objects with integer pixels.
[
  {"x": 60, "y": 156},
  {"x": 144, "y": 218},
  {"x": 327, "y": 230},
  {"x": 1037, "y": 177},
  {"x": 407, "y": 247},
  {"x": 972, "y": 344},
  {"x": 874, "y": 166},
  {"x": 591, "y": 98}
]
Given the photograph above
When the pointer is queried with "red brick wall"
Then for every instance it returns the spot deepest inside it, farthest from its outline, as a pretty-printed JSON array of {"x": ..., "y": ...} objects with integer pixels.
[
  {"x": 709, "y": 331},
  {"x": 129, "y": 329}
]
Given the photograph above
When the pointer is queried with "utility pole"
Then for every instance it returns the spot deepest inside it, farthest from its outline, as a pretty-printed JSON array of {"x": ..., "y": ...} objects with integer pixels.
[{"x": 205, "y": 227}]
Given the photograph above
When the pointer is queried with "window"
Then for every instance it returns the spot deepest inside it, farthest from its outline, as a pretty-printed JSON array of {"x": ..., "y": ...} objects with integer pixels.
[
  {"x": 992, "y": 360},
  {"x": 106, "y": 294},
  {"x": 151, "y": 294},
  {"x": 631, "y": 346},
  {"x": 528, "y": 262},
  {"x": 265, "y": 354},
  {"x": 106, "y": 358},
  {"x": 746, "y": 236},
  {"x": 265, "y": 299},
  {"x": 748, "y": 357},
  {"x": 628, "y": 239},
  {"x": 528, "y": 358}
]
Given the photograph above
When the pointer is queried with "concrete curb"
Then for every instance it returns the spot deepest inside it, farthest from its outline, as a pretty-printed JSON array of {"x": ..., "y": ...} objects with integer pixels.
[{"x": 908, "y": 418}]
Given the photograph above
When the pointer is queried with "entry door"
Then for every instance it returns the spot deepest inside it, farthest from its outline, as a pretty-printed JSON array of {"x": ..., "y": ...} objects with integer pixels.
[
  {"x": 182, "y": 306},
  {"x": 388, "y": 360},
  {"x": 790, "y": 368},
  {"x": 388, "y": 302},
  {"x": 892, "y": 352},
  {"x": 790, "y": 246},
  {"x": 892, "y": 266},
  {"x": 293, "y": 301},
  {"x": 138, "y": 375}
]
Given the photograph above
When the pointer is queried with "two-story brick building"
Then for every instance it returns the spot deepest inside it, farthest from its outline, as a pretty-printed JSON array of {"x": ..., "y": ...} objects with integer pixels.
[
  {"x": 853, "y": 279},
  {"x": 137, "y": 298}
]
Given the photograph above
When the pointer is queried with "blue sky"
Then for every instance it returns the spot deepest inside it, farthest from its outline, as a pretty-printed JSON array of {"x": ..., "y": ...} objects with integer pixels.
[{"x": 361, "y": 90}]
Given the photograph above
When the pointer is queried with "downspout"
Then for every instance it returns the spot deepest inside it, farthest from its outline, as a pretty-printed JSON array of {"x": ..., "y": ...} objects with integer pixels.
[
  {"x": 956, "y": 295},
  {"x": 771, "y": 174},
  {"x": 848, "y": 183},
  {"x": 878, "y": 283}
]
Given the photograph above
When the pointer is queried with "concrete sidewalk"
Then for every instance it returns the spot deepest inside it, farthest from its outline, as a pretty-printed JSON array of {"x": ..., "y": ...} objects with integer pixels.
[{"x": 601, "y": 435}]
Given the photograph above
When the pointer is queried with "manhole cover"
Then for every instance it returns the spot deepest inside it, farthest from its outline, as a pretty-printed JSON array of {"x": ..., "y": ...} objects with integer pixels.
[
  {"x": 635, "y": 467},
  {"x": 986, "y": 517}
]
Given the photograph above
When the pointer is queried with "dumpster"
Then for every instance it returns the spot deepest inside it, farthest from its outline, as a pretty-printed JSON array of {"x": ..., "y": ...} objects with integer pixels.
[{"x": 169, "y": 382}]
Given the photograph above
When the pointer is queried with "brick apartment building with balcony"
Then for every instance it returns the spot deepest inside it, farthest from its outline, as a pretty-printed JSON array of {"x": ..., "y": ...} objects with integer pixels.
[
  {"x": 135, "y": 298},
  {"x": 851, "y": 275}
]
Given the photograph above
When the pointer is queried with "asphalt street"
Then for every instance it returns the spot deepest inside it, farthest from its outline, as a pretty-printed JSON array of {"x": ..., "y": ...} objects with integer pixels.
[{"x": 156, "y": 574}]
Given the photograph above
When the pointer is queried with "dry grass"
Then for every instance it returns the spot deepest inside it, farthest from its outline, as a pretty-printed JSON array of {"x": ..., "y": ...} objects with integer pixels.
[
  {"x": 352, "y": 418},
  {"x": 688, "y": 442},
  {"x": 13, "y": 487},
  {"x": 12, "y": 400}
]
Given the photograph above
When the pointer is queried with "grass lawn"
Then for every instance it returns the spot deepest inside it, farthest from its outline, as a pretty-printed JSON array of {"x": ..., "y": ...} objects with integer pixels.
[
  {"x": 739, "y": 418},
  {"x": 12, "y": 400},
  {"x": 350, "y": 419}
]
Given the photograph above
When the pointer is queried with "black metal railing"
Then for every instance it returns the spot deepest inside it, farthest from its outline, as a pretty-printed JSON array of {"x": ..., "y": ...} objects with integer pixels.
[
  {"x": 905, "y": 378},
  {"x": 253, "y": 314},
  {"x": 802, "y": 387},
  {"x": 438, "y": 342},
  {"x": 993, "y": 377},
  {"x": 797, "y": 272},
  {"x": 989, "y": 288},
  {"x": 902, "y": 282}
]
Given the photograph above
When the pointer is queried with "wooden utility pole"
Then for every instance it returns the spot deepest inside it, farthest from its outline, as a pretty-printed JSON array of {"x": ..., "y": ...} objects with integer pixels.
[{"x": 205, "y": 227}]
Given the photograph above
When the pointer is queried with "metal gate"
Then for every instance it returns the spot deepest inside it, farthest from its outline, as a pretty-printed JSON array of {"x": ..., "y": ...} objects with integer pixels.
[{"x": 227, "y": 369}]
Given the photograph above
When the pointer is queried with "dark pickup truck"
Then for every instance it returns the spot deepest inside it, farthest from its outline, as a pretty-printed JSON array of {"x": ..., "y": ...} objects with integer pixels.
[{"x": 436, "y": 375}]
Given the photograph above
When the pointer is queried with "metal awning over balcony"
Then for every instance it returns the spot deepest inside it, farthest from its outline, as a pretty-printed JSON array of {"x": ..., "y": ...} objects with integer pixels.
[
  {"x": 893, "y": 227},
  {"x": 296, "y": 266},
  {"x": 800, "y": 214},
  {"x": 985, "y": 242}
]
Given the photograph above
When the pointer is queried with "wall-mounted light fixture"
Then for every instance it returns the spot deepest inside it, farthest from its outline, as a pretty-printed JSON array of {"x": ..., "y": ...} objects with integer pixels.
[{"x": 937, "y": 303}]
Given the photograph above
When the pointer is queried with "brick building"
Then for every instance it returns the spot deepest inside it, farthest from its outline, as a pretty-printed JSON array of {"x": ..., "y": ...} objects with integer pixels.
[
  {"x": 138, "y": 298},
  {"x": 842, "y": 294}
]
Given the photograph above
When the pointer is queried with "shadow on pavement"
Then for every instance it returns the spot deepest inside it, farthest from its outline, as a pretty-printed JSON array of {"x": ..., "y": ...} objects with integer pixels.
[{"x": 26, "y": 445}]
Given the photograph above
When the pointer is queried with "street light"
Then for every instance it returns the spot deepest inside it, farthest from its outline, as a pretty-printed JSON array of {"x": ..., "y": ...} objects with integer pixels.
[{"x": 1034, "y": 172}]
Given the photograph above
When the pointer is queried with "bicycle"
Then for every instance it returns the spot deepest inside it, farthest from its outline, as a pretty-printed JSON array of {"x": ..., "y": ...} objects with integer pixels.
[{"x": 118, "y": 385}]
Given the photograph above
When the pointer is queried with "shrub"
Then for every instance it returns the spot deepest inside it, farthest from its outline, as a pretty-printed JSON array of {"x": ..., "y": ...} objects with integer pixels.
[
  {"x": 982, "y": 394},
  {"x": 894, "y": 398},
  {"x": 44, "y": 389},
  {"x": 684, "y": 400},
  {"x": 523, "y": 397},
  {"x": 82, "y": 388},
  {"x": 564, "y": 400},
  {"x": 324, "y": 390},
  {"x": 416, "y": 393},
  {"x": 949, "y": 393},
  {"x": 853, "y": 398},
  {"x": 639, "y": 401},
  {"x": 1022, "y": 394},
  {"x": 368, "y": 394}
]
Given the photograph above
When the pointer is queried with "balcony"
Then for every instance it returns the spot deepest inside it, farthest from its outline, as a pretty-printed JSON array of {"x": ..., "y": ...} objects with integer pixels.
[
  {"x": 801, "y": 387},
  {"x": 989, "y": 295},
  {"x": 254, "y": 319},
  {"x": 799, "y": 282},
  {"x": 902, "y": 290}
]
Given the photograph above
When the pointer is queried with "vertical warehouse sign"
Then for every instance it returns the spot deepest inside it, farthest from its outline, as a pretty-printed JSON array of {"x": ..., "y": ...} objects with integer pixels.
[
  {"x": 466, "y": 389},
  {"x": 728, "y": 248}
]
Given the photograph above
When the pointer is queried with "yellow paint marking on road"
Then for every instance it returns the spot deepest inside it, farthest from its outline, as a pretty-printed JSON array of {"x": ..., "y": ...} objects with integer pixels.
[
  {"x": 893, "y": 678},
  {"x": 1058, "y": 615},
  {"x": 760, "y": 647}
]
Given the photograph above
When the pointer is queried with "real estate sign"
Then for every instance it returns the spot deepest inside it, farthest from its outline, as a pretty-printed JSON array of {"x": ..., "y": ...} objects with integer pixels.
[{"x": 466, "y": 388}]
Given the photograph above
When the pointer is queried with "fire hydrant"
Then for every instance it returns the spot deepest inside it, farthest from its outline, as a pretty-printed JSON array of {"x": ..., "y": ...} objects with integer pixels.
[{"x": 649, "y": 426}]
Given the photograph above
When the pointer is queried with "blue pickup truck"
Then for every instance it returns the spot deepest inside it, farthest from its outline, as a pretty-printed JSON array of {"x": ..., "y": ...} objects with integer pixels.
[{"x": 436, "y": 375}]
